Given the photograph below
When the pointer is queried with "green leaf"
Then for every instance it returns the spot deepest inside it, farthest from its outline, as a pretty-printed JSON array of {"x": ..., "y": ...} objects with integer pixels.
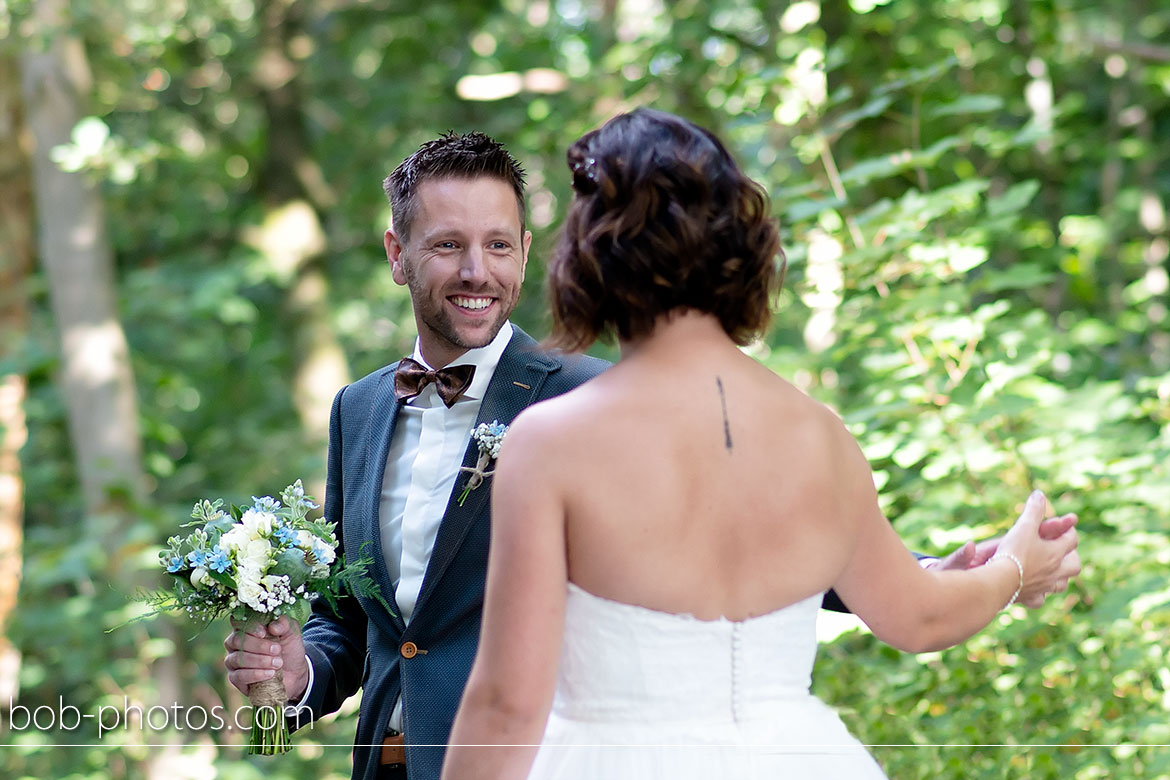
[
  {"x": 870, "y": 109},
  {"x": 1014, "y": 199},
  {"x": 897, "y": 162},
  {"x": 1021, "y": 276},
  {"x": 967, "y": 104},
  {"x": 300, "y": 612},
  {"x": 218, "y": 527},
  {"x": 804, "y": 209}
]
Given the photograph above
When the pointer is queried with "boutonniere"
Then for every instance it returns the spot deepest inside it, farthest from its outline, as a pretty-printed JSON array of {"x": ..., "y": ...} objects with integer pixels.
[{"x": 489, "y": 437}]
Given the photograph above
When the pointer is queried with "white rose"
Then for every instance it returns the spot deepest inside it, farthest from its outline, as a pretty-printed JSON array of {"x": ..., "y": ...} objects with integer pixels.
[
  {"x": 249, "y": 592},
  {"x": 235, "y": 538},
  {"x": 305, "y": 540},
  {"x": 258, "y": 523},
  {"x": 254, "y": 556}
]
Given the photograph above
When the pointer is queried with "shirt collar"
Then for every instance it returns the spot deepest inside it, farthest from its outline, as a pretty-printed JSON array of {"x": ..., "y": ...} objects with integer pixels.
[{"x": 483, "y": 358}]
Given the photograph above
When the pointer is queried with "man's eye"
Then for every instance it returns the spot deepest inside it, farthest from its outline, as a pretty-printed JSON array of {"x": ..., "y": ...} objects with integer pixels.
[
  {"x": 446, "y": 245},
  {"x": 499, "y": 245}
]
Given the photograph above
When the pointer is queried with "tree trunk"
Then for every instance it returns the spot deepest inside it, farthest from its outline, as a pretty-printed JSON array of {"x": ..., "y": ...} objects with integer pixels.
[
  {"x": 96, "y": 377},
  {"x": 292, "y": 237},
  {"x": 15, "y": 264}
]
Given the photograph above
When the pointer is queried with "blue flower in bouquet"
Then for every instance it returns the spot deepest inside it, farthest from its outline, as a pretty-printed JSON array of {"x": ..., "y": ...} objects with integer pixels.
[
  {"x": 218, "y": 560},
  {"x": 322, "y": 551},
  {"x": 197, "y": 558},
  {"x": 174, "y": 563},
  {"x": 265, "y": 504},
  {"x": 285, "y": 535}
]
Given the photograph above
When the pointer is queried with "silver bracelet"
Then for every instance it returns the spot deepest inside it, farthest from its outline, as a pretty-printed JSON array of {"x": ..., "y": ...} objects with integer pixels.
[{"x": 1020, "y": 566}]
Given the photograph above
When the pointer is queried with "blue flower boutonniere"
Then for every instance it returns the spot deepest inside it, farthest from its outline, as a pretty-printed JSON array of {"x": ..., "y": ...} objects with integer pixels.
[{"x": 489, "y": 437}]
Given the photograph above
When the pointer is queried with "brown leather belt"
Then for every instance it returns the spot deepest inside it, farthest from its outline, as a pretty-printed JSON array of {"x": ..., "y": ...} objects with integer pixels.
[{"x": 393, "y": 750}]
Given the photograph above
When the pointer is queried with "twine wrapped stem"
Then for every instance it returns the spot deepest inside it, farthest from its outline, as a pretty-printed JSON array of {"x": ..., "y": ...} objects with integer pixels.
[
  {"x": 269, "y": 730},
  {"x": 477, "y": 474}
]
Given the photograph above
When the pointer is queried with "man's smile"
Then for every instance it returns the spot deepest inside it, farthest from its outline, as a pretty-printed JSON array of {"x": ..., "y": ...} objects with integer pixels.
[{"x": 471, "y": 302}]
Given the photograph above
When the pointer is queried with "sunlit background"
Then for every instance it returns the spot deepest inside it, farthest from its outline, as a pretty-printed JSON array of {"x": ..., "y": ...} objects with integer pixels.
[{"x": 973, "y": 199}]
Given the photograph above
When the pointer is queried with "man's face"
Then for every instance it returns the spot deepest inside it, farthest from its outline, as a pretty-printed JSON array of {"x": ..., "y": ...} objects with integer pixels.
[{"x": 464, "y": 262}]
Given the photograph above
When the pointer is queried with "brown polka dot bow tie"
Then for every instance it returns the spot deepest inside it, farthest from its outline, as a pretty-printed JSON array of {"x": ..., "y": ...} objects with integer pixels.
[{"x": 412, "y": 377}]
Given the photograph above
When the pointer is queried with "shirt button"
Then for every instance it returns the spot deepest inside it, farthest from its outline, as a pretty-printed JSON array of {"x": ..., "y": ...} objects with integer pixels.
[{"x": 409, "y": 650}]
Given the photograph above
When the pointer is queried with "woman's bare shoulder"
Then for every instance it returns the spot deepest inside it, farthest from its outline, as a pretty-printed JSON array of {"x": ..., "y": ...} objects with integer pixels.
[
  {"x": 551, "y": 423},
  {"x": 801, "y": 409}
]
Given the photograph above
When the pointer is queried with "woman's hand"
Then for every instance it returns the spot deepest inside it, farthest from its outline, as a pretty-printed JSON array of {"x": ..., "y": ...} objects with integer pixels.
[{"x": 1048, "y": 563}]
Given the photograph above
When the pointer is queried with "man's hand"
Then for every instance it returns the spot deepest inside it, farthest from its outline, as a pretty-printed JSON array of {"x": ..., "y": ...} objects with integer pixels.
[
  {"x": 255, "y": 655},
  {"x": 968, "y": 556},
  {"x": 974, "y": 554}
]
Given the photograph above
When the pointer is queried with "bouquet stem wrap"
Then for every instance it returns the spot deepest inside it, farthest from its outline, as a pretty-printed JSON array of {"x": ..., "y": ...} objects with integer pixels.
[{"x": 269, "y": 730}]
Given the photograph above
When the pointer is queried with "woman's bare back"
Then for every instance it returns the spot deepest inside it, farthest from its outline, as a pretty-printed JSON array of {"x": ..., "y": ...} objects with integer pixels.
[{"x": 697, "y": 481}]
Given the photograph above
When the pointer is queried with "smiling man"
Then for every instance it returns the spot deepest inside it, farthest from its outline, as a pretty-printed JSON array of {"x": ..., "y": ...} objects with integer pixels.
[
  {"x": 400, "y": 457},
  {"x": 462, "y": 258}
]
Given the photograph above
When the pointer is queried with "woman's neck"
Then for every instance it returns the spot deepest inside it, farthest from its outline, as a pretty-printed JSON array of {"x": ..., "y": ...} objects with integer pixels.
[{"x": 683, "y": 331}]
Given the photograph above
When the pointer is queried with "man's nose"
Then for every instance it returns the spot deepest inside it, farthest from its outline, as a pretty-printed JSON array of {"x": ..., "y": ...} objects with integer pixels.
[{"x": 473, "y": 267}]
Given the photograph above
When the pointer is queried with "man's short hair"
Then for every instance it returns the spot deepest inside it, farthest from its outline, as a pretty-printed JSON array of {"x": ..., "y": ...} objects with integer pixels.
[{"x": 450, "y": 156}]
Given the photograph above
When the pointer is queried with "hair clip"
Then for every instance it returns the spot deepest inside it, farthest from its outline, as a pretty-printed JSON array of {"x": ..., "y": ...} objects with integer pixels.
[{"x": 585, "y": 175}]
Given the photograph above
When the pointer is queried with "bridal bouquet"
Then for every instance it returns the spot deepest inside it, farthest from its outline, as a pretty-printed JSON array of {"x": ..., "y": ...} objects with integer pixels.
[{"x": 254, "y": 565}]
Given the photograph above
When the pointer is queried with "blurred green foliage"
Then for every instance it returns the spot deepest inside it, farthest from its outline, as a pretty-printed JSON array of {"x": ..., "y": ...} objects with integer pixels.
[{"x": 973, "y": 196}]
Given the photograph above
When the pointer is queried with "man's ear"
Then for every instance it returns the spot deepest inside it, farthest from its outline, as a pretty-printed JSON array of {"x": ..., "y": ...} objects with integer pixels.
[
  {"x": 526, "y": 244},
  {"x": 394, "y": 256}
]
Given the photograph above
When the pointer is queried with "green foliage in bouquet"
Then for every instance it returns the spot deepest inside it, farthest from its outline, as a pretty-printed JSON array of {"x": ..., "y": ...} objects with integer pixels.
[{"x": 254, "y": 565}]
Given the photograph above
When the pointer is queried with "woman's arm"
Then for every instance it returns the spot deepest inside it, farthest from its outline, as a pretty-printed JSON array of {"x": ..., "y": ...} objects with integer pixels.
[
  {"x": 919, "y": 610},
  {"x": 510, "y": 689}
]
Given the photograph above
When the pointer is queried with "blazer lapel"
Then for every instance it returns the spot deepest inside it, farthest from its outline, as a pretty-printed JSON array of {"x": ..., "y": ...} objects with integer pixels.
[
  {"x": 515, "y": 385},
  {"x": 383, "y": 416}
]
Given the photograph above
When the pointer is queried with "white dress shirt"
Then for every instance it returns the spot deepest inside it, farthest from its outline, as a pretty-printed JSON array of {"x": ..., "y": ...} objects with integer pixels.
[{"x": 422, "y": 466}]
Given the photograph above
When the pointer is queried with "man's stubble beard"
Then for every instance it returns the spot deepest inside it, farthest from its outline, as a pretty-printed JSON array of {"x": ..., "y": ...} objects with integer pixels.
[{"x": 437, "y": 320}]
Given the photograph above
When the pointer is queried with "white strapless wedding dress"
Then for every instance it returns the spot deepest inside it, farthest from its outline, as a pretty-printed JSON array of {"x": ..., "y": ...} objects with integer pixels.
[{"x": 643, "y": 694}]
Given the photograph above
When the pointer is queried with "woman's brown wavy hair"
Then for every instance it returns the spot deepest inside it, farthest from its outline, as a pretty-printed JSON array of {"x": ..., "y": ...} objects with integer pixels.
[{"x": 662, "y": 220}]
